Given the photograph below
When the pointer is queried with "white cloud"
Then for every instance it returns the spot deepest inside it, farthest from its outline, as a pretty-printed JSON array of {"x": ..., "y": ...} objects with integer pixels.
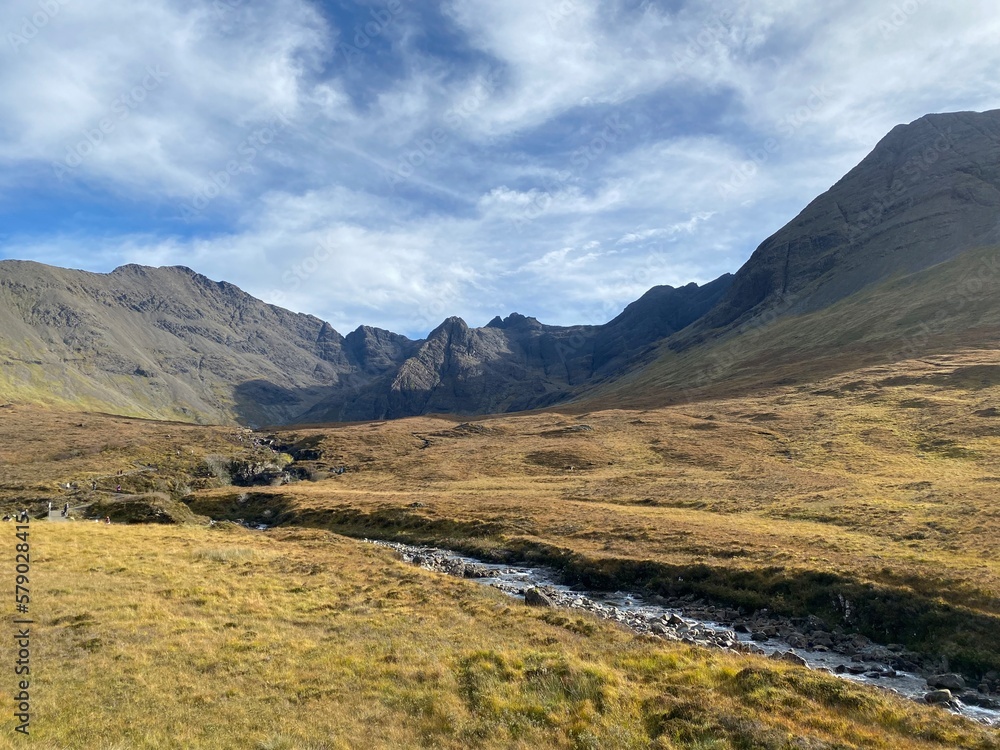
[
  {"x": 427, "y": 181},
  {"x": 151, "y": 95}
]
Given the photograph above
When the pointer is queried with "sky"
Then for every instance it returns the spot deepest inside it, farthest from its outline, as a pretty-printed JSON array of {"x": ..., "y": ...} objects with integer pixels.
[{"x": 395, "y": 162}]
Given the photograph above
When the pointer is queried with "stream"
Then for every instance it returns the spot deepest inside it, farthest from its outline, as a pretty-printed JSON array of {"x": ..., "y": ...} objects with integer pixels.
[{"x": 856, "y": 659}]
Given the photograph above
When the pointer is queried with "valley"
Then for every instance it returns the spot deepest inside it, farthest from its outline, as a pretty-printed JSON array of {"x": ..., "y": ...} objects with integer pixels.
[{"x": 848, "y": 499}]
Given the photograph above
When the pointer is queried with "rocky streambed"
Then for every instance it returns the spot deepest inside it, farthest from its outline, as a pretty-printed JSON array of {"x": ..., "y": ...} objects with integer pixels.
[{"x": 803, "y": 641}]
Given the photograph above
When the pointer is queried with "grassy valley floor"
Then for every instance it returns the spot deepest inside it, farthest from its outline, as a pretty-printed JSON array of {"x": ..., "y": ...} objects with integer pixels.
[
  {"x": 867, "y": 499},
  {"x": 158, "y": 636}
]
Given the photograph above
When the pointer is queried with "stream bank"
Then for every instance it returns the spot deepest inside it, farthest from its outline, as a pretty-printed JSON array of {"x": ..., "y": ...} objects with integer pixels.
[{"x": 802, "y": 641}]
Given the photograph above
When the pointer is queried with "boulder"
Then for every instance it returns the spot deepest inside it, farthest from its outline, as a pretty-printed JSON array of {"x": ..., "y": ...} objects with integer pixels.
[
  {"x": 789, "y": 656},
  {"x": 535, "y": 597},
  {"x": 948, "y": 681},
  {"x": 938, "y": 696}
]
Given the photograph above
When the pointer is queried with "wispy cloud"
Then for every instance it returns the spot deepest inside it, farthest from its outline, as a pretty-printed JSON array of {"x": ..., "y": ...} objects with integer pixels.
[{"x": 391, "y": 163}]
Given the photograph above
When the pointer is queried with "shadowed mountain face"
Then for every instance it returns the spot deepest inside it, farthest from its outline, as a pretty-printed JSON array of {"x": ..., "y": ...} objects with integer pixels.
[
  {"x": 170, "y": 343},
  {"x": 517, "y": 363},
  {"x": 928, "y": 192}
]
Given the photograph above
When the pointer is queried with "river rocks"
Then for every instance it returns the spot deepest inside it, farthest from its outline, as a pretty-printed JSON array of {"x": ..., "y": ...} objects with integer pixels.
[
  {"x": 938, "y": 696},
  {"x": 477, "y": 571},
  {"x": 977, "y": 699},
  {"x": 789, "y": 656},
  {"x": 949, "y": 681},
  {"x": 535, "y": 597},
  {"x": 797, "y": 640}
]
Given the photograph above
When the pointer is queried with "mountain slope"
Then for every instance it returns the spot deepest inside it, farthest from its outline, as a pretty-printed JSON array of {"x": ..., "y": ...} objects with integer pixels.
[
  {"x": 897, "y": 259},
  {"x": 170, "y": 343},
  {"x": 929, "y": 191},
  {"x": 940, "y": 310}
]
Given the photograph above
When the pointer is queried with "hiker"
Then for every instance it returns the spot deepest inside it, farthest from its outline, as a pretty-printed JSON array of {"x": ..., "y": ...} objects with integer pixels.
[
  {"x": 65, "y": 510},
  {"x": 107, "y": 520},
  {"x": 118, "y": 488},
  {"x": 50, "y": 507},
  {"x": 24, "y": 515},
  {"x": 93, "y": 486}
]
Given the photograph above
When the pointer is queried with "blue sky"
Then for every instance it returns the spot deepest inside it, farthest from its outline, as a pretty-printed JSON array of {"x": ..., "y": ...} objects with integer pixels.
[{"x": 393, "y": 162}]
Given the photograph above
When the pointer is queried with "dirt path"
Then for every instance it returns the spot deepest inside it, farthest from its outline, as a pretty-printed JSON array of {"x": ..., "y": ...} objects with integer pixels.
[{"x": 55, "y": 514}]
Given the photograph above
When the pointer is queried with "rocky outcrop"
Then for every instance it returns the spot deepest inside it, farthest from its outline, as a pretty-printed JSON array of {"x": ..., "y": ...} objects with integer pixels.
[{"x": 517, "y": 363}]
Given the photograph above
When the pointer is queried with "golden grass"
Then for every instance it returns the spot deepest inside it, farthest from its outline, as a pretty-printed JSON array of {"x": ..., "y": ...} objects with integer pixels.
[
  {"x": 885, "y": 476},
  {"x": 860, "y": 472},
  {"x": 41, "y": 450},
  {"x": 181, "y": 637},
  {"x": 195, "y": 637}
]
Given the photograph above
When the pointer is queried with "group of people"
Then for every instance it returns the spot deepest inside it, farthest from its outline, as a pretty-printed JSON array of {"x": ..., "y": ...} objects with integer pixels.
[{"x": 22, "y": 515}]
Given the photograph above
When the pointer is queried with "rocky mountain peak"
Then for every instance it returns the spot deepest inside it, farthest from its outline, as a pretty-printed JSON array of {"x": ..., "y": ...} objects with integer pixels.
[
  {"x": 451, "y": 326},
  {"x": 514, "y": 320}
]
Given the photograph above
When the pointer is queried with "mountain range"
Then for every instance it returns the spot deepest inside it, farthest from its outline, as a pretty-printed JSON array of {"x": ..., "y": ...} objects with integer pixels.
[{"x": 897, "y": 258}]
